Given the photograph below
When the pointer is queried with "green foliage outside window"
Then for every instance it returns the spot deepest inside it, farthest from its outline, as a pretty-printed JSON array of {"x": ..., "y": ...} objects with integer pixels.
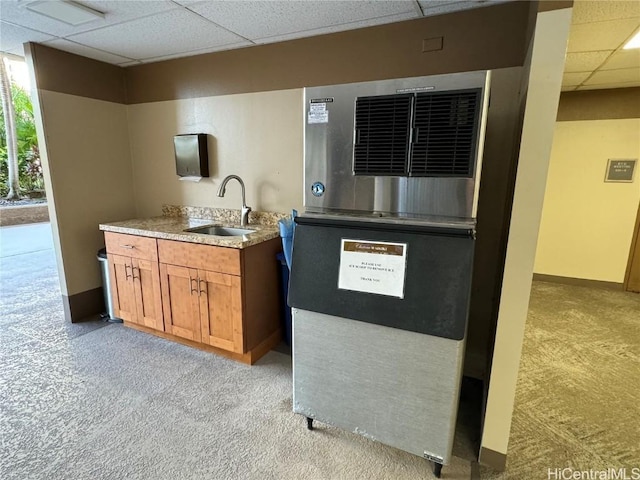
[{"x": 29, "y": 166}]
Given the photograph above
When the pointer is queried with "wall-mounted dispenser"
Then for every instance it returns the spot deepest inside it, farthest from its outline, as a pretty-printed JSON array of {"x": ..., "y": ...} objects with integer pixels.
[{"x": 192, "y": 157}]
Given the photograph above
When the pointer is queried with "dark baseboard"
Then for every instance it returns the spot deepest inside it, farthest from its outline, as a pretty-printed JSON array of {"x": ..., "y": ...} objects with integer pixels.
[
  {"x": 475, "y": 470},
  {"x": 579, "y": 282},
  {"x": 84, "y": 305},
  {"x": 493, "y": 459}
]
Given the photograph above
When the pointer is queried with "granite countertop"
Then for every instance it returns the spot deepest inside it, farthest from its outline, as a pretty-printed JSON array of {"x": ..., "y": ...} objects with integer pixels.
[{"x": 172, "y": 228}]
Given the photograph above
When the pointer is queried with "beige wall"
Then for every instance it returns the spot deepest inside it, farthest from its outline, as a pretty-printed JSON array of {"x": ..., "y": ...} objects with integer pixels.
[
  {"x": 587, "y": 224},
  {"x": 89, "y": 177},
  {"x": 257, "y": 136},
  {"x": 547, "y": 63}
]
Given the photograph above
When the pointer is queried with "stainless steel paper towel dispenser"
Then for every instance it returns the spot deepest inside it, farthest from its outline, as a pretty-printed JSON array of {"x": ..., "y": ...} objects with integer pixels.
[{"x": 192, "y": 157}]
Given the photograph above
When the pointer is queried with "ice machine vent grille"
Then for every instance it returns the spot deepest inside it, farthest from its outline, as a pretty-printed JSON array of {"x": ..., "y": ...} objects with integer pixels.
[
  {"x": 445, "y": 133},
  {"x": 382, "y": 126}
]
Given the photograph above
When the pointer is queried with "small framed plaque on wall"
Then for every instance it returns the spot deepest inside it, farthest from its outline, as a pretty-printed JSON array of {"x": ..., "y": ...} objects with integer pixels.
[{"x": 620, "y": 170}]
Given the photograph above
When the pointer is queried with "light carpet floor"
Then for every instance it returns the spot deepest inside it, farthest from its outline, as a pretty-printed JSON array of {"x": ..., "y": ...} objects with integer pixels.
[
  {"x": 97, "y": 401},
  {"x": 577, "y": 399},
  {"x": 101, "y": 401}
]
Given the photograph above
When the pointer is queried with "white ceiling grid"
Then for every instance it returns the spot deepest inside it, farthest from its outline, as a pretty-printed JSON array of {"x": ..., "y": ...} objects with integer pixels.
[
  {"x": 136, "y": 31},
  {"x": 595, "y": 58},
  {"x": 152, "y": 30}
]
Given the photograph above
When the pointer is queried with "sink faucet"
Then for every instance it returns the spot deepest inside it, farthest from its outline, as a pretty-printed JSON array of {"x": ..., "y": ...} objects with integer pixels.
[{"x": 244, "y": 216}]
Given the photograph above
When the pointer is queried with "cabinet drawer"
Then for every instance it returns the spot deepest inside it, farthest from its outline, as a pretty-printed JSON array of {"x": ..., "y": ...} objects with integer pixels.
[
  {"x": 205, "y": 257},
  {"x": 133, "y": 246}
]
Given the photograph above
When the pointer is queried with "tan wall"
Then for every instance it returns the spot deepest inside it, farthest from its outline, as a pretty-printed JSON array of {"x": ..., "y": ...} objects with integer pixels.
[
  {"x": 599, "y": 104},
  {"x": 587, "y": 224},
  {"x": 547, "y": 63},
  {"x": 257, "y": 136},
  {"x": 87, "y": 157}
]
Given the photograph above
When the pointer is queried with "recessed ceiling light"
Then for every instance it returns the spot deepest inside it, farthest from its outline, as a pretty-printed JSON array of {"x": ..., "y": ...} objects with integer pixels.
[
  {"x": 65, "y": 11},
  {"x": 634, "y": 42}
]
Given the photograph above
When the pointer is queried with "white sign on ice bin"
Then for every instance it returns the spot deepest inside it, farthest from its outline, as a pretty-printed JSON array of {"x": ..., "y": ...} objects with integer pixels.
[{"x": 373, "y": 267}]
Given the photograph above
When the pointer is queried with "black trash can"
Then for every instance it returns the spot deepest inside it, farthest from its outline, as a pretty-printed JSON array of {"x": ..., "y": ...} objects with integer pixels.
[{"x": 284, "y": 292}]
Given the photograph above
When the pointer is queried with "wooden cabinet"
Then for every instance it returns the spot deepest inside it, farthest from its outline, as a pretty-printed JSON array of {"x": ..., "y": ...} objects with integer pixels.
[
  {"x": 221, "y": 299},
  {"x": 221, "y": 310},
  {"x": 123, "y": 291},
  {"x": 135, "y": 279},
  {"x": 203, "y": 304},
  {"x": 181, "y": 301}
]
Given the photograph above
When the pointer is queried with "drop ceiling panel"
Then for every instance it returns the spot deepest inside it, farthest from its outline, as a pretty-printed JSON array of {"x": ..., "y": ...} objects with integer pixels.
[
  {"x": 439, "y": 7},
  {"x": 607, "y": 35},
  {"x": 574, "y": 78},
  {"x": 189, "y": 2},
  {"x": 337, "y": 28},
  {"x": 598, "y": 11},
  {"x": 624, "y": 75},
  {"x": 244, "y": 43},
  {"x": 159, "y": 35},
  {"x": 585, "y": 61},
  {"x": 68, "y": 46},
  {"x": 263, "y": 19},
  {"x": 623, "y": 59},
  {"x": 129, "y": 64},
  {"x": 602, "y": 86},
  {"x": 115, "y": 12},
  {"x": 12, "y": 36}
]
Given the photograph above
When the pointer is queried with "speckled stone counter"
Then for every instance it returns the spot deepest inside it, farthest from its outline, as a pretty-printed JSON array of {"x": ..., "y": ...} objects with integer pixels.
[{"x": 174, "y": 222}]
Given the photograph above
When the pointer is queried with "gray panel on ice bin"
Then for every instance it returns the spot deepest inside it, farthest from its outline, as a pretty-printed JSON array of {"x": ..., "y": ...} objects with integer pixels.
[{"x": 349, "y": 374}]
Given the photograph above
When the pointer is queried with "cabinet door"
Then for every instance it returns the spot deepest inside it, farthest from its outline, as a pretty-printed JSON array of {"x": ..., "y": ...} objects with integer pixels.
[
  {"x": 221, "y": 310},
  {"x": 122, "y": 289},
  {"x": 180, "y": 301},
  {"x": 146, "y": 280}
]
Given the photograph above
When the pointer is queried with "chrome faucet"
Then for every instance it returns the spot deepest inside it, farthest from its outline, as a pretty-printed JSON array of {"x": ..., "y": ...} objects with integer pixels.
[{"x": 244, "y": 215}]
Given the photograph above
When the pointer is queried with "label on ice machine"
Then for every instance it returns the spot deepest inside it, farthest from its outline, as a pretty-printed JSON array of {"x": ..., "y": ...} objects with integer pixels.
[
  {"x": 373, "y": 267},
  {"x": 318, "y": 113}
]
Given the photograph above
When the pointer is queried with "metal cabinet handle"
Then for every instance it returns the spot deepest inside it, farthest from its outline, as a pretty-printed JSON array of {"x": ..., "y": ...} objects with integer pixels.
[
  {"x": 194, "y": 289},
  {"x": 200, "y": 281},
  {"x": 126, "y": 272},
  {"x": 133, "y": 273},
  {"x": 128, "y": 246}
]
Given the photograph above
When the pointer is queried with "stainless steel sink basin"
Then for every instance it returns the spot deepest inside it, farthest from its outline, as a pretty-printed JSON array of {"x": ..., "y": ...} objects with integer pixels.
[{"x": 221, "y": 231}]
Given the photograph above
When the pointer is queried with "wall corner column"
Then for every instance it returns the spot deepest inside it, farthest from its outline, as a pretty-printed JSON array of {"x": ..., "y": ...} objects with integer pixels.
[{"x": 545, "y": 78}]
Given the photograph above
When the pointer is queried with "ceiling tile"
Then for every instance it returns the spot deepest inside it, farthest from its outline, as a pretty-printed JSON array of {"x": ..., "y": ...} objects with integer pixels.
[
  {"x": 602, "y": 86},
  {"x": 18, "y": 51},
  {"x": 263, "y": 19},
  {"x": 622, "y": 75},
  {"x": 623, "y": 59},
  {"x": 167, "y": 33},
  {"x": 190, "y": 2},
  {"x": 607, "y": 35},
  {"x": 12, "y": 36},
  {"x": 585, "y": 61},
  {"x": 586, "y": 11},
  {"x": 115, "y": 12},
  {"x": 190, "y": 53},
  {"x": 569, "y": 88},
  {"x": 130, "y": 63},
  {"x": 85, "y": 51},
  {"x": 574, "y": 78},
  {"x": 439, "y": 7},
  {"x": 338, "y": 28}
]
